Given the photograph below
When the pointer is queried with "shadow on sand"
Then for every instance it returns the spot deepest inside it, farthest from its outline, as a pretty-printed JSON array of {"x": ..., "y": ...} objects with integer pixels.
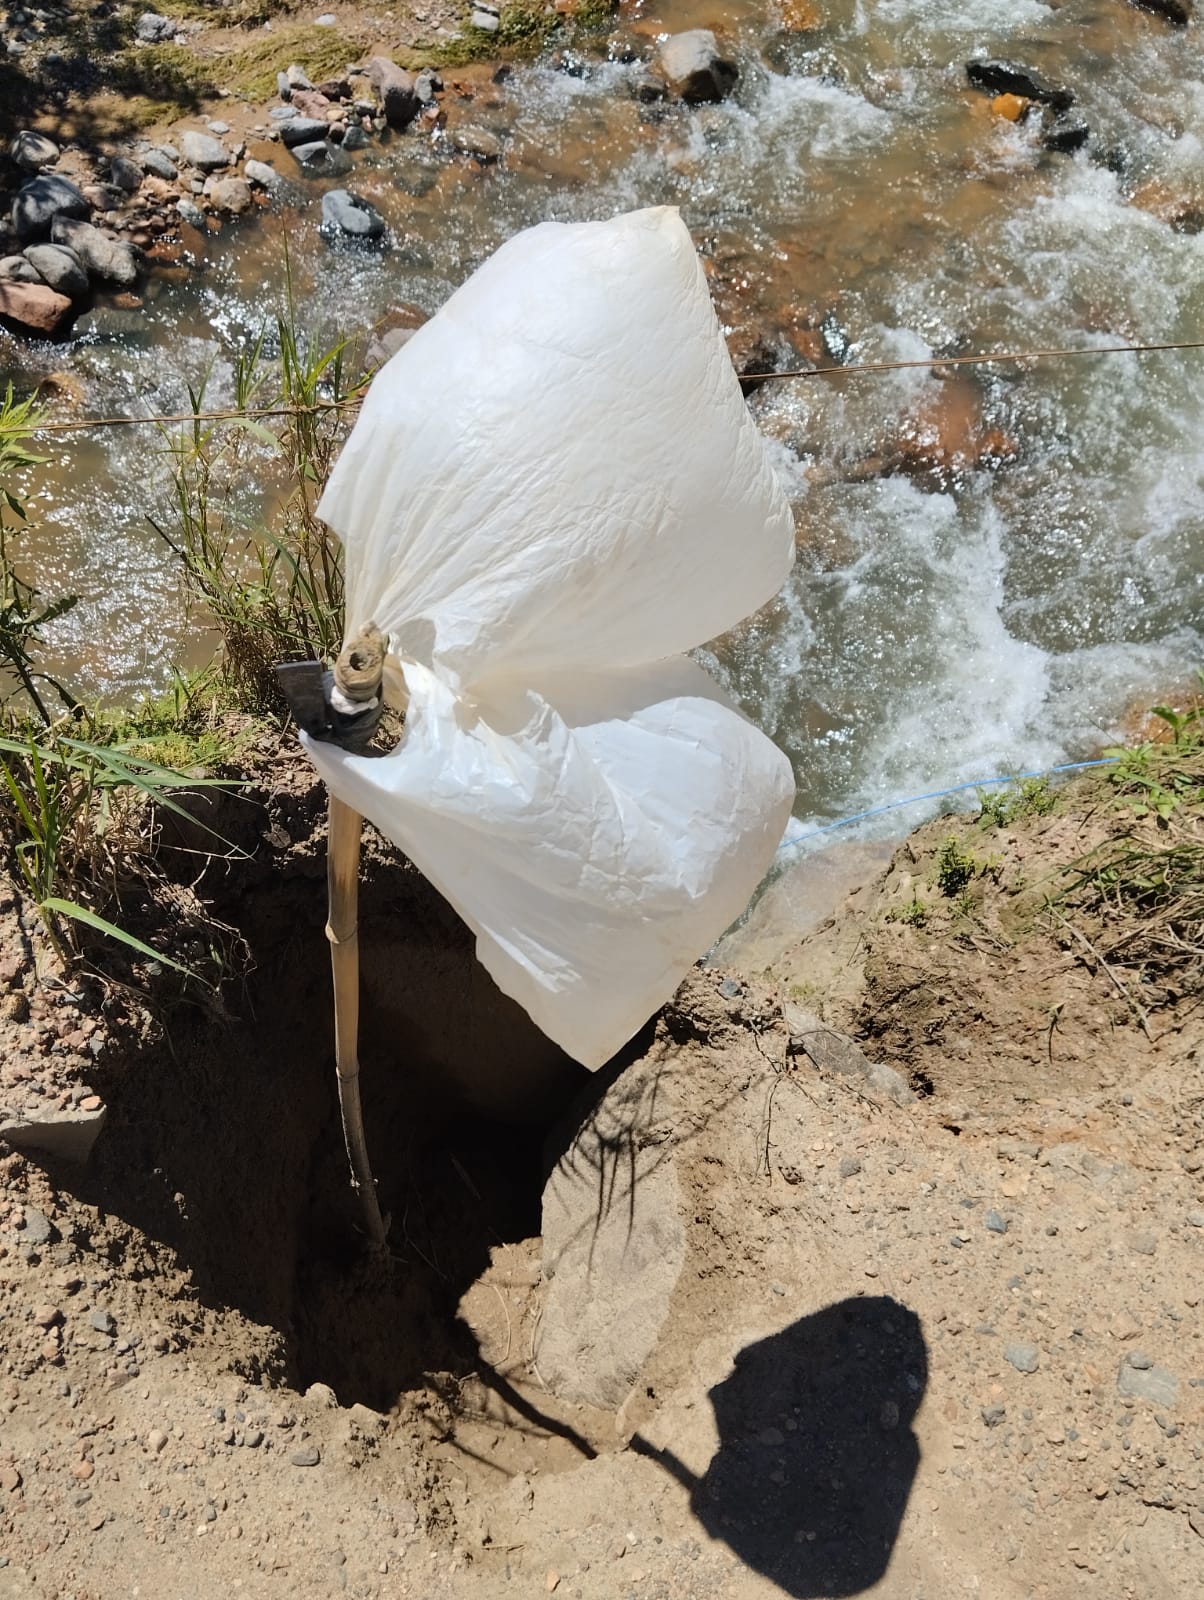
[{"x": 816, "y": 1455}]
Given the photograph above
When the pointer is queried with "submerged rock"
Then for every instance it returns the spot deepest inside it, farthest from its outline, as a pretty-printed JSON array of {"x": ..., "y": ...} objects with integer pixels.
[
  {"x": 1179, "y": 12},
  {"x": 479, "y": 143},
  {"x": 34, "y": 307},
  {"x": 695, "y": 69},
  {"x": 347, "y": 214},
  {"x": 40, "y": 201}
]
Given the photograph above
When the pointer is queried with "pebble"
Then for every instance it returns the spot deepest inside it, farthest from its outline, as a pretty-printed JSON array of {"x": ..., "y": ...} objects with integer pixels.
[
  {"x": 102, "y": 1321},
  {"x": 1143, "y": 1244},
  {"x": 1148, "y": 1383},
  {"x": 850, "y": 1166},
  {"x": 307, "y": 1455},
  {"x": 995, "y": 1223},
  {"x": 1140, "y": 1360},
  {"x": 1024, "y": 1357},
  {"x": 46, "y": 1315},
  {"x": 156, "y": 1440},
  {"x": 1196, "y": 1217},
  {"x": 10, "y": 1479}
]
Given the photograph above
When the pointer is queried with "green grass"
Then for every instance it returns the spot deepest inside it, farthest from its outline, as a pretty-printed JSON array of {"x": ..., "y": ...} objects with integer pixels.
[{"x": 251, "y": 69}]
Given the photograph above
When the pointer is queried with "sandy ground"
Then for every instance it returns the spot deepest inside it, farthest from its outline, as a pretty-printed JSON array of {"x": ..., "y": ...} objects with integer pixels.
[{"x": 747, "y": 1316}]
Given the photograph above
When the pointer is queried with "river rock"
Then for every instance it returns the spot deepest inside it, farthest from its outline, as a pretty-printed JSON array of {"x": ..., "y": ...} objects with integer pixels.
[
  {"x": 154, "y": 29},
  {"x": 395, "y": 87},
  {"x": 190, "y": 213},
  {"x": 160, "y": 163},
  {"x": 302, "y": 130},
  {"x": 312, "y": 103},
  {"x": 345, "y": 213},
  {"x": 203, "y": 151},
  {"x": 1064, "y": 134},
  {"x": 18, "y": 270},
  {"x": 33, "y": 151},
  {"x": 296, "y": 76},
  {"x": 1007, "y": 77},
  {"x": 34, "y": 307},
  {"x": 322, "y": 159},
  {"x": 479, "y": 143},
  {"x": 40, "y": 201},
  {"x": 125, "y": 174},
  {"x": 694, "y": 68},
  {"x": 1177, "y": 11},
  {"x": 104, "y": 196},
  {"x": 283, "y": 87},
  {"x": 60, "y": 268},
  {"x": 105, "y": 257},
  {"x": 229, "y": 194},
  {"x": 354, "y": 138},
  {"x": 260, "y": 173},
  {"x": 486, "y": 17}
]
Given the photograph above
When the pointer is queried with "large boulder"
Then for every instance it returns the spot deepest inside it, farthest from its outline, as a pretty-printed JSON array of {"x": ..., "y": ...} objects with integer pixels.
[
  {"x": 40, "y": 201},
  {"x": 695, "y": 68},
  {"x": 33, "y": 307},
  {"x": 395, "y": 87},
  {"x": 113, "y": 260},
  {"x": 203, "y": 151},
  {"x": 60, "y": 268},
  {"x": 345, "y": 214},
  {"x": 33, "y": 151}
]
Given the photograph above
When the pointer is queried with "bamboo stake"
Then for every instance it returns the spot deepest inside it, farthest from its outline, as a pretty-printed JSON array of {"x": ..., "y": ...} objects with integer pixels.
[{"x": 342, "y": 929}]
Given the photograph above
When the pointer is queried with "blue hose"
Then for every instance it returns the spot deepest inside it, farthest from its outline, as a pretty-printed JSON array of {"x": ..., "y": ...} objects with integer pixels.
[{"x": 939, "y": 794}]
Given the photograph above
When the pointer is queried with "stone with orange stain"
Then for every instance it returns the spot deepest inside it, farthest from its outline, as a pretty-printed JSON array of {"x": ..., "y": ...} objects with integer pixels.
[{"x": 1012, "y": 107}]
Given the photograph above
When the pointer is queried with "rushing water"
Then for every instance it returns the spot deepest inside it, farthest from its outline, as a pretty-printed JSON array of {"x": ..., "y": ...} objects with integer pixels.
[{"x": 987, "y": 615}]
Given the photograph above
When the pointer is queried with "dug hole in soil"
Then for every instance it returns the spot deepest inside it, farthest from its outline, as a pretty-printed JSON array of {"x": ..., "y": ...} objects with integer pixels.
[{"x": 855, "y": 1275}]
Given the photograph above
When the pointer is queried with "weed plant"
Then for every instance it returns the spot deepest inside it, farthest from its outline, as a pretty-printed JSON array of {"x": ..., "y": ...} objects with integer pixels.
[
  {"x": 1142, "y": 890},
  {"x": 78, "y": 815},
  {"x": 273, "y": 586}
]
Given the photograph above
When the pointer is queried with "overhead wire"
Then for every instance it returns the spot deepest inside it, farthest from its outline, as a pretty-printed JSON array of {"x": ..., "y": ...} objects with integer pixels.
[{"x": 836, "y": 370}]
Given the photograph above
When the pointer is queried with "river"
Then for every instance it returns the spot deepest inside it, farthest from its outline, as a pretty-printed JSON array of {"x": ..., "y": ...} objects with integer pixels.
[{"x": 996, "y": 609}]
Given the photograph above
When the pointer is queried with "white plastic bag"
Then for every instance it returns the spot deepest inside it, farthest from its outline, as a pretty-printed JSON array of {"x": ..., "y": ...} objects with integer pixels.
[{"x": 552, "y": 491}]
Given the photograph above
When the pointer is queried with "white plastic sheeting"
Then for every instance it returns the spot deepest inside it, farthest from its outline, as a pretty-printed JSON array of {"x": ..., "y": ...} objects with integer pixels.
[{"x": 552, "y": 491}]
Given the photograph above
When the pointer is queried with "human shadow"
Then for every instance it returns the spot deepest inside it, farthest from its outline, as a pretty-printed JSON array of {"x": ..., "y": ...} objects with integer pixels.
[{"x": 816, "y": 1453}]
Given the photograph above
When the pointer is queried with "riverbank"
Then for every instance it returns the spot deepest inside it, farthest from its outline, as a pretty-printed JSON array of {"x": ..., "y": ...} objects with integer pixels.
[{"x": 917, "y": 1207}]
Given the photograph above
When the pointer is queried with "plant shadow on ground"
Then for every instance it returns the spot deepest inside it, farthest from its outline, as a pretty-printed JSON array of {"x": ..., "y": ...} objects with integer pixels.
[{"x": 816, "y": 1454}]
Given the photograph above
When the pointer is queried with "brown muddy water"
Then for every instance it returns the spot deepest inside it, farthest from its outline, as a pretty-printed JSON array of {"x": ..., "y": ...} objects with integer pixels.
[{"x": 995, "y": 563}]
